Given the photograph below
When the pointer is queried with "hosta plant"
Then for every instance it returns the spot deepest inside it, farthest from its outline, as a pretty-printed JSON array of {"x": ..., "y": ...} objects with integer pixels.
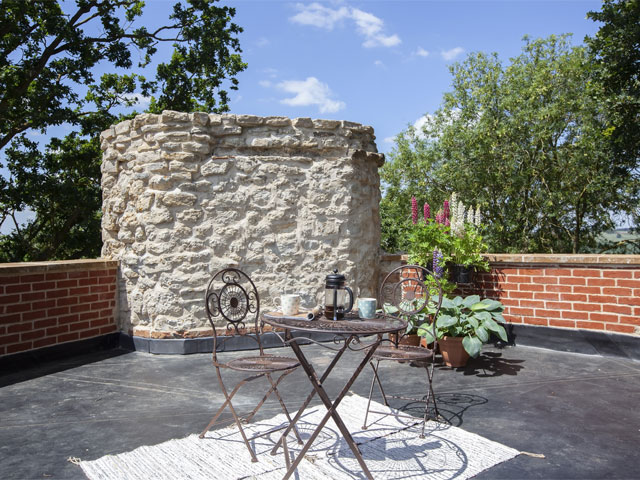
[{"x": 472, "y": 318}]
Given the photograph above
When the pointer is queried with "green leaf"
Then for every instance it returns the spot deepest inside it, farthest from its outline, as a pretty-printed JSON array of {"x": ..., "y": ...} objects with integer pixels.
[
  {"x": 425, "y": 330},
  {"x": 482, "y": 334},
  {"x": 445, "y": 321},
  {"x": 470, "y": 300},
  {"x": 448, "y": 303},
  {"x": 493, "y": 305},
  {"x": 483, "y": 316},
  {"x": 390, "y": 309},
  {"x": 473, "y": 322},
  {"x": 472, "y": 345},
  {"x": 496, "y": 328}
]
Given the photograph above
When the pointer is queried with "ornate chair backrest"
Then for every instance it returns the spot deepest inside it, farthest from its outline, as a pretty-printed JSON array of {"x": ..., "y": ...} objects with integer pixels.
[
  {"x": 232, "y": 297},
  {"x": 413, "y": 293}
]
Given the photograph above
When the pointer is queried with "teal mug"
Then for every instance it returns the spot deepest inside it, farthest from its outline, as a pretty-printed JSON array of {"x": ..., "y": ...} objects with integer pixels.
[{"x": 367, "y": 307}]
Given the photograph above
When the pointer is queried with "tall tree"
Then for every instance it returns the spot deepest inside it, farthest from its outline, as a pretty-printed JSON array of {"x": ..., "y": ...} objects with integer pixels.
[
  {"x": 524, "y": 141},
  {"x": 616, "y": 47},
  {"x": 49, "y": 54}
]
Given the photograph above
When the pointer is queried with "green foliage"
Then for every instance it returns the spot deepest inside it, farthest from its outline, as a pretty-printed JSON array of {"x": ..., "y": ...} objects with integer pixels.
[
  {"x": 427, "y": 236},
  {"x": 527, "y": 141},
  {"x": 616, "y": 48},
  {"x": 471, "y": 318},
  {"x": 467, "y": 249},
  {"x": 414, "y": 320},
  {"x": 49, "y": 52}
]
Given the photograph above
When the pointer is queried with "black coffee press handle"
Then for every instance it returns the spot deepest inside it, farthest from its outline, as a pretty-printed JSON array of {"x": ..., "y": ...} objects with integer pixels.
[{"x": 348, "y": 309}]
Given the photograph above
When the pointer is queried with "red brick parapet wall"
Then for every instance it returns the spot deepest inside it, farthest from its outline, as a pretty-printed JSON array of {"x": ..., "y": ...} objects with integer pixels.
[
  {"x": 596, "y": 292},
  {"x": 49, "y": 303}
]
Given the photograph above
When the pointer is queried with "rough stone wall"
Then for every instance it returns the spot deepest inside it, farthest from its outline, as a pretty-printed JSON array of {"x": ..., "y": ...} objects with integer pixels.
[{"x": 287, "y": 200}]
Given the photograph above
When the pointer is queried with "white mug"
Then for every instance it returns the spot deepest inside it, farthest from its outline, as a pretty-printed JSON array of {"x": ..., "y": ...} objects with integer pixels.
[{"x": 289, "y": 304}]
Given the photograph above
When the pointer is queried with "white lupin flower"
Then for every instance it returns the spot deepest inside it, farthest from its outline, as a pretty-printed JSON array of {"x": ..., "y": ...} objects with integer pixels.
[
  {"x": 453, "y": 205},
  {"x": 478, "y": 218},
  {"x": 470, "y": 216}
]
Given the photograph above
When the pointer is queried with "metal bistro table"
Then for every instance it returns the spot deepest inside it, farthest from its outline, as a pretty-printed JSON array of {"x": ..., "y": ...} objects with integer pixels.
[{"x": 348, "y": 331}]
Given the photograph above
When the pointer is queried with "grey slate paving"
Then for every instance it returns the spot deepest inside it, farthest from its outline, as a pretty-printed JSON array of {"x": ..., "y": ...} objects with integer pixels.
[{"x": 579, "y": 411}]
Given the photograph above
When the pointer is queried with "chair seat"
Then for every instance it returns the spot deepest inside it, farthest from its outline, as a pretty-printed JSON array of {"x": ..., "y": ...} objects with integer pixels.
[
  {"x": 263, "y": 363},
  {"x": 402, "y": 353}
]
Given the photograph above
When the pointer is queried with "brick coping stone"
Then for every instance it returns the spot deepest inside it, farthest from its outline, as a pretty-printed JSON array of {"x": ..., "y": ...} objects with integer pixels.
[
  {"x": 57, "y": 265},
  {"x": 543, "y": 258}
]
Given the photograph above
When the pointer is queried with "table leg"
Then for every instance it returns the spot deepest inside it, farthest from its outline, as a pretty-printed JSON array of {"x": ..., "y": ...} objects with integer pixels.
[
  {"x": 304, "y": 406},
  {"x": 331, "y": 407}
]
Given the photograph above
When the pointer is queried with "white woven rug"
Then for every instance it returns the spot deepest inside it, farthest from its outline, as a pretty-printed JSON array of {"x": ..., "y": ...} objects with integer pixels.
[{"x": 391, "y": 448}]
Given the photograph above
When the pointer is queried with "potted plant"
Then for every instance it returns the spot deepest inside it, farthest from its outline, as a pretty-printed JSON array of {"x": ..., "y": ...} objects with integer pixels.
[
  {"x": 463, "y": 325},
  {"x": 454, "y": 235},
  {"x": 466, "y": 256},
  {"x": 466, "y": 244},
  {"x": 430, "y": 242}
]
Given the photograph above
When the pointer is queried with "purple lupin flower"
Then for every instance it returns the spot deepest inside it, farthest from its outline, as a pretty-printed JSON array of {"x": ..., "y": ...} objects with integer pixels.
[
  {"x": 445, "y": 209},
  {"x": 439, "y": 218},
  {"x": 437, "y": 264},
  {"x": 427, "y": 212},
  {"x": 414, "y": 210}
]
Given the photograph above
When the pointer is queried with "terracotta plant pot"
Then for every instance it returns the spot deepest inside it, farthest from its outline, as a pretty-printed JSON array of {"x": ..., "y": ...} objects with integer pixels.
[
  {"x": 411, "y": 340},
  {"x": 423, "y": 343},
  {"x": 453, "y": 353}
]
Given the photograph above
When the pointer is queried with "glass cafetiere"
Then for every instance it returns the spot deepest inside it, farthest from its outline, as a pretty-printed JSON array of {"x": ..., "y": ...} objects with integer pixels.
[{"x": 335, "y": 293}]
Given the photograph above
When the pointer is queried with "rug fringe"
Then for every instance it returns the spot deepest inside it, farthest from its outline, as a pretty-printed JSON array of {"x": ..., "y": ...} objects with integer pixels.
[{"x": 534, "y": 455}]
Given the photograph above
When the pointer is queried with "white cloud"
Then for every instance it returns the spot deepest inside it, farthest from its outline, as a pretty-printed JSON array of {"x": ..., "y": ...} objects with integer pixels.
[
  {"x": 319, "y": 16},
  {"x": 371, "y": 27},
  {"x": 379, "y": 63},
  {"x": 367, "y": 24},
  {"x": 389, "y": 140},
  {"x": 137, "y": 100},
  {"x": 422, "y": 121},
  {"x": 310, "y": 92},
  {"x": 452, "y": 54},
  {"x": 265, "y": 83},
  {"x": 421, "y": 52}
]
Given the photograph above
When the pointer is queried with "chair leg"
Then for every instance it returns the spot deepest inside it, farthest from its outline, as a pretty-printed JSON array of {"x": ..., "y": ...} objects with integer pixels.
[
  {"x": 284, "y": 407},
  {"x": 373, "y": 380},
  {"x": 221, "y": 409},
  {"x": 233, "y": 412},
  {"x": 430, "y": 396}
]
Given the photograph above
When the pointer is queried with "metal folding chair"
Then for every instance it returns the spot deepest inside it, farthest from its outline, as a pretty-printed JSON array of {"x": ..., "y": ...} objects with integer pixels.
[
  {"x": 409, "y": 290},
  {"x": 232, "y": 296}
]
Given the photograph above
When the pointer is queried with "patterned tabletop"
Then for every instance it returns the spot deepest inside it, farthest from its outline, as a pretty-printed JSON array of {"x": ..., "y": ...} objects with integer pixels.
[{"x": 350, "y": 325}]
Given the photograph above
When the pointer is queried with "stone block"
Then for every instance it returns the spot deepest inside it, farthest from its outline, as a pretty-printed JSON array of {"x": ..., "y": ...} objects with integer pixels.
[
  {"x": 326, "y": 124},
  {"x": 249, "y": 120},
  {"x": 200, "y": 118},
  {"x": 215, "y": 167},
  {"x": 302, "y": 122},
  {"x": 277, "y": 121},
  {"x": 226, "y": 130},
  {"x": 123, "y": 128},
  {"x": 175, "y": 199},
  {"x": 215, "y": 119},
  {"x": 170, "y": 116}
]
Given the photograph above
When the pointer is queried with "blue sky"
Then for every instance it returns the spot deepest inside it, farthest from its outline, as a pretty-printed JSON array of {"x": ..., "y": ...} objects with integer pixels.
[
  {"x": 381, "y": 63},
  {"x": 378, "y": 62}
]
